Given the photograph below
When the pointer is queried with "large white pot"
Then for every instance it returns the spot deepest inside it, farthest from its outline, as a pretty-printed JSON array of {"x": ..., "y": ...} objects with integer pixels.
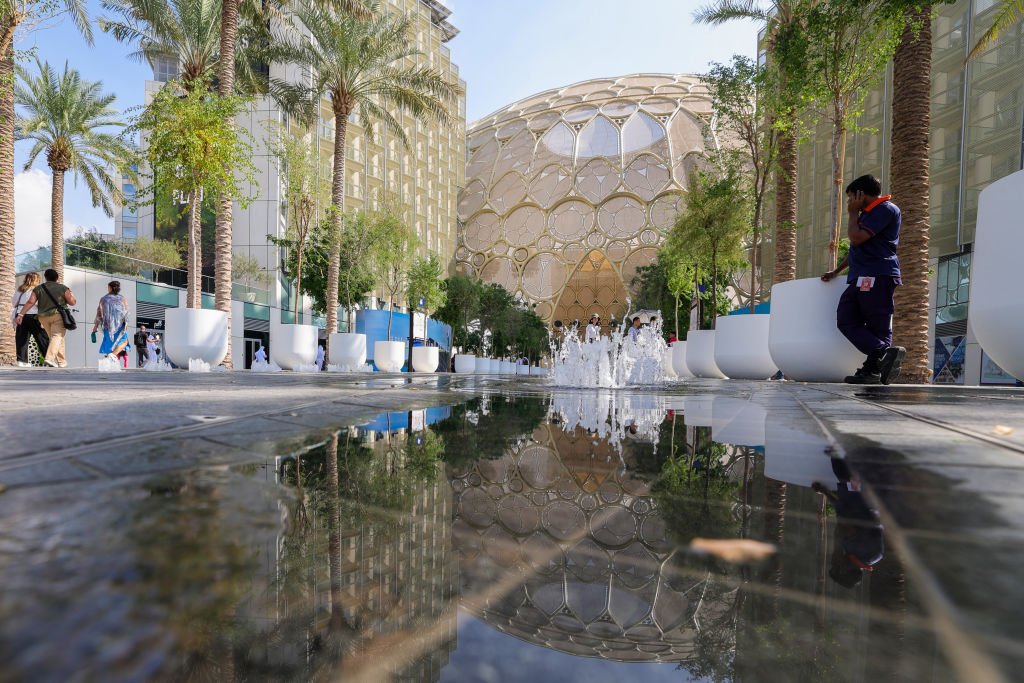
[
  {"x": 483, "y": 366},
  {"x": 666, "y": 364},
  {"x": 796, "y": 453},
  {"x": 741, "y": 346},
  {"x": 700, "y": 354},
  {"x": 347, "y": 349},
  {"x": 494, "y": 366},
  {"x": 389, "y": 356},
  {"x": 997, "y": 308},
  {"x": 737, "y": 421},
  {"x": 522, "y": 369},
  {"x": 508, "y": 367},
  {"x": 293, "y": 345},
  {"x": 425, "y": 358},
  {"x": 679, "y": 360},
  {"x": 465, "y": 363},
  {"x": 803, "y": 338},
  {"x": 697, "y": 410},
  {"x": 198, "y": 333}
]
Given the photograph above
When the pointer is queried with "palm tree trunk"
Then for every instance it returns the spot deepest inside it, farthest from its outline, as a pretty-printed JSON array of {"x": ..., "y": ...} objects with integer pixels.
[
  {"x": 193, "y": 294},
  {"x": 7, "y": 349},
  {"x": 911, "y": 119},
  {"x": 338, "y": 201},
  {"x": 57, "y": 223},
  {"x": 784, "y": 263},
  {"x": 838, "y": 162},
  {"x": 222, "y": 242}
]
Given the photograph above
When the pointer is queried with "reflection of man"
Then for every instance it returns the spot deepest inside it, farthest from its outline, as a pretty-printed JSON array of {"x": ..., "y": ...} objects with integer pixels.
[
  {"x": 594, "y": 328},
  {"x": 860, "y": 542},
  {"x": 864, "y": 315}
]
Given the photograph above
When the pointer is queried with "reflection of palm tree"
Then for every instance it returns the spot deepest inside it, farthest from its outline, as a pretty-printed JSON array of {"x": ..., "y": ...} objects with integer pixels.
[{"x": 1011, "y": 12}]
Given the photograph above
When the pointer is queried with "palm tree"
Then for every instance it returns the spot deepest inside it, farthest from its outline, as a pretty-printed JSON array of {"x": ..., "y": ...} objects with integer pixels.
[
  {"x": 909, "y": 184},
  {"x": 15, "y": 14},
  {"x": 775, "y": 15},
  {"x": 361, "y": 67},
  {"x": 70, "y": 119},
  {"x": 1010, "y": 12}
]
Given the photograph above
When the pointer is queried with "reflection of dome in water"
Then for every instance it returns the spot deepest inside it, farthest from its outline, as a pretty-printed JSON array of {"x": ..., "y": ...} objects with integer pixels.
[
  {"x": 585, "y": 553},
  {"x": 568, "y": 192}
]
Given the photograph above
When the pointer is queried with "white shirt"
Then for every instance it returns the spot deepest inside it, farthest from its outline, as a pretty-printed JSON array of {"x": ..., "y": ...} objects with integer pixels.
[
  {"x": 20, "y": 298},
  {"x": 593, "y": 332},
  {"x": 260, "y": 355},
  {"x": 320, "y": 357}
]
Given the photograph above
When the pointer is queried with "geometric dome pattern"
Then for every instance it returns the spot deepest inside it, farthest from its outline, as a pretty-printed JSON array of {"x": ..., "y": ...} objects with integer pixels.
[
  {"x": 570, "y": 191},
  {"x": 583, "y": 557}
]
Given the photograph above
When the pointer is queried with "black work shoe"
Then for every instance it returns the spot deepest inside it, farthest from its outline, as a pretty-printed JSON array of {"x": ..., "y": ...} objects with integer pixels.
[
  {"x": 863, "y": 376},
  {"x": 892, "y": 363}
]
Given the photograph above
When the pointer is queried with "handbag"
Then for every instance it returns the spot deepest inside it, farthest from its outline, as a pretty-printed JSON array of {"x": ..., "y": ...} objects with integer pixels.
[{"x": 65, "y": 313}]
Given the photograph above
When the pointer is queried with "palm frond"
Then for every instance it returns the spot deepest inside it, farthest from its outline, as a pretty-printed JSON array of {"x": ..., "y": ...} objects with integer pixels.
[
  {"x": 723, "y": 11},
  {"x": 1010, "y": 13}
]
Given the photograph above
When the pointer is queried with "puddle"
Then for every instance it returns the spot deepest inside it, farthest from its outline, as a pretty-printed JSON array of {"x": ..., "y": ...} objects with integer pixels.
[{"x": 507, "y": 538}]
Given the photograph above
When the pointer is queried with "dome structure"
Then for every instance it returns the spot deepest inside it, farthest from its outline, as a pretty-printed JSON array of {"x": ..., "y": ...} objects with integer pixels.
[
  {"x": 584, "y": 560},
  {"x": 570, "y": 191}
]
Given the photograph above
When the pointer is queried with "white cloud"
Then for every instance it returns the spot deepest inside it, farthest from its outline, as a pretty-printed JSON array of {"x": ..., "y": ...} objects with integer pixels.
[{"x": 32, "y": 211}]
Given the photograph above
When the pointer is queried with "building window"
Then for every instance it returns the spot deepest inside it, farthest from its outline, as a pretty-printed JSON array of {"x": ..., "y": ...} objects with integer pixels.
[
  {"x": 128, "y": 213},
  {"x": 952, "y": 287},
  {"x": 129, "y": 233}
]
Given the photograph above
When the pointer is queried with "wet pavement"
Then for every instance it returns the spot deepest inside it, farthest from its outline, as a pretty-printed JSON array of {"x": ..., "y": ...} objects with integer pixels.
[{"x": 254, "y": 527}]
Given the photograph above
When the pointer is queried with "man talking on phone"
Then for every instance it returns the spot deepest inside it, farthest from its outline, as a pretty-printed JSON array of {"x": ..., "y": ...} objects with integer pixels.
[{"x": 864, "y": 315}]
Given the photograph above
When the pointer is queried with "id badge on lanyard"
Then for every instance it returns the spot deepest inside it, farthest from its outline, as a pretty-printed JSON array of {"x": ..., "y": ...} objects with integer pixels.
[{"x": 865, "y": 284}]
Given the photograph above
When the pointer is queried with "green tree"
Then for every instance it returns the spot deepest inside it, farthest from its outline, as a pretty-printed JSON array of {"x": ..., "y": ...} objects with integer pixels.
[
  {"x": 396, "y": 246},
  {"x": 248, "y": 271},
  {"x": 714, "y": 222},
  {"x": 365, "y": 68},
  {"x": 746, "y": 99},
  {"x": 15, "y": 16},
  {"x": 530, "y": 333},
  {"x": 496, "y": 304},
  {"x": 150, "y": 254},
  {"x": 193, "y": 153},
  {"x": 842, "y": 49},
  {"x": 426, "y": 281},
  {"x": 305, "y": 194},
  {"x": 72, "y": 120},
  {"x": 461, "y": 307}
]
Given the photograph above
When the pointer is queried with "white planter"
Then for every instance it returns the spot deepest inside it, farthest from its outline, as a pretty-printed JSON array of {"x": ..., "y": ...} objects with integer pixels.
[
  {"x": 198, "y": 333},
  {"x": 483, "y": 366},
  {"x": 389, "y": 356},
  {"x": 803, "y": 338},
  {"x": 796, "y": 454},
  {"x": 679, "y": 360},
  {"x": 508, "y": 367},
  {"x": 700, "y": 354},
  {"x": 697, "y": 410},
  {"x": 293, "y": 345},
  {"x": 347, "y": 349},
  {"x": 425, "y": 358},
  {"x": 493, "y": 366},
  {"x": 522, "y": 369},
  {"x": 997, "y": 309},
  {"x": 465, "y": 363},
  {"x": 741, "y": 346},
  {"x": 666, "y": 364},
  {"x": 737, "y": 421}
]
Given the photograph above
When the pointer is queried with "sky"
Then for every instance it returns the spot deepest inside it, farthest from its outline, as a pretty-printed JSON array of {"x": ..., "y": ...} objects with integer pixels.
[{"x": 506, "y": 50}]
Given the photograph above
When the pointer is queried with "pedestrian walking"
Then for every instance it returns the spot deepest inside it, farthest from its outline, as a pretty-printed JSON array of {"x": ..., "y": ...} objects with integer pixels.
[
  {"x": 48, "y": 296},
  {"x": 261, "y": 354},
  {"x": 594, "y": 328},
  {"x": 864, "y": 314},
  {"x": 112, "y": 315},
  {"x": 29, "y": 327},
  {"x": 320, "y": 355},
  {"x": 142, "y": 346}
]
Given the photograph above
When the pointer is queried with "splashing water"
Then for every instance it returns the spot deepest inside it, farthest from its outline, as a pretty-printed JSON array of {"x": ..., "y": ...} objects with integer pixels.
[
  {"x": 306, "y": 367},
  {"x": 264, "y": 366},
  {"x": 611, "y": 416},
  {"x": 158, "y": 365},
  {"x": 610, "y": 362},
  {"x": 108, "y": 364},
  {"x": 198, "y": 365}
]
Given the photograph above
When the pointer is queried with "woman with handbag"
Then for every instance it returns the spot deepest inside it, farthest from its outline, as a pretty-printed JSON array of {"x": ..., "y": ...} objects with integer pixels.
[
  {"x": 29, "y": 327},
  {"x": 51, "y": 297},
  {"x": 112, "y": 314}
]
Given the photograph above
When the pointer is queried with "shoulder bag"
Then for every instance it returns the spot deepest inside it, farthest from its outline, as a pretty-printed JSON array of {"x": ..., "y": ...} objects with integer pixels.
[{"x": 65, "y": 313}]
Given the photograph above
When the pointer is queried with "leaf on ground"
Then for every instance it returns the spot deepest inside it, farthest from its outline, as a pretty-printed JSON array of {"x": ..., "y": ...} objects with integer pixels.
[
  {"x": 1002, "y": 430},
  {"x": 2, "y": 488},
  {"x": 735, "y": 550}
]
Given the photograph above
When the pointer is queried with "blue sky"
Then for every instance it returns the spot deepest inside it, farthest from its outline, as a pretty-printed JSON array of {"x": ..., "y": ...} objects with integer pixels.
[{"x": 507, "y": 50}]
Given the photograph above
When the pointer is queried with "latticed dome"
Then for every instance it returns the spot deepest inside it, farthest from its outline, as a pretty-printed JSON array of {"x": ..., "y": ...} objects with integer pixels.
[
  {"x": 568, "y": 192},
  {"x": 560, "y": 547}
]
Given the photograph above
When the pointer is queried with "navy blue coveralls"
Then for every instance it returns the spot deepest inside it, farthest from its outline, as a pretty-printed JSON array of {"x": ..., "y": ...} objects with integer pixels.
[{"x": 864, "y": 315}]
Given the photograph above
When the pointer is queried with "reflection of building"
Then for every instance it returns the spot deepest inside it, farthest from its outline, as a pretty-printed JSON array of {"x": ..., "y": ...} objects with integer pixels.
[
  {"x": 568, "y": 192},
  {"x": 976, "y": 138},
  {"x": 595, "y": 573}
]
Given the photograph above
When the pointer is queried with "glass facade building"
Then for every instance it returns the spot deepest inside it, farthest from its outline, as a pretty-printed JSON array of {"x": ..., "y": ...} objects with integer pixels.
[
  {"x": 568, "y": 192},
  {"x": 977, "y": 137}
]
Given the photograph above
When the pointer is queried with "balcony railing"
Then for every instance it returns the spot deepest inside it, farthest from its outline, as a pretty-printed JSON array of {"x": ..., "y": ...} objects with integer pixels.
[{"x": 106, "y": 262}]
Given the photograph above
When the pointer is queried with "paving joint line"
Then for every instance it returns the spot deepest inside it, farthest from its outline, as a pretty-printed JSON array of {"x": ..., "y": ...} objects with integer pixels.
[
  {"x": 964, "y": 431},
  {"x": 964, "y": 652}
]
